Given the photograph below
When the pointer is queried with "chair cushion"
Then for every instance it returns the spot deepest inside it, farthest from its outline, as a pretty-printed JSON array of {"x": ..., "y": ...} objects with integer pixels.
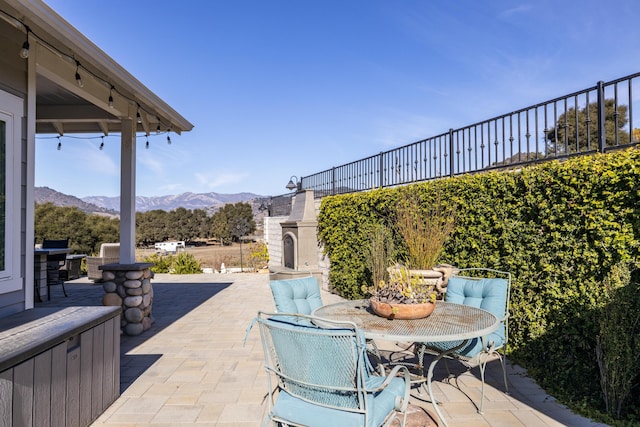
[
  {"x": 380, "y": 405},
  {"x": 488, "y": 294},
  {"x": 296, "y": 295}
]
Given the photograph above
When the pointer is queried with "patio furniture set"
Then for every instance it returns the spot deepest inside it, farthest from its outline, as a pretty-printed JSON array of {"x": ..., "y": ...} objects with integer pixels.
[{"x": 327, "y": 366}]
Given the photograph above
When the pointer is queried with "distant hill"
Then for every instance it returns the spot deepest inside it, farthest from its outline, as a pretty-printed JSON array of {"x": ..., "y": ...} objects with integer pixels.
[
  {"x": 111, "y": 205},
  {"x": 191, "y": 201},
  {"x": 46, "y": 194},
  {"x": 208, "y": 201}
]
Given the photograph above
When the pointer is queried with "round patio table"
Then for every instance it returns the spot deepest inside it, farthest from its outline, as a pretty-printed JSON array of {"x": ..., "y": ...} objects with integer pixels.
[{"x": 448, "y": 322}]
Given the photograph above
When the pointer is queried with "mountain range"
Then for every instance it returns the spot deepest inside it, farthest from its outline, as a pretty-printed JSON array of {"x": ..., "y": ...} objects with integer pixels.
[{"x": 111, "y": 205}]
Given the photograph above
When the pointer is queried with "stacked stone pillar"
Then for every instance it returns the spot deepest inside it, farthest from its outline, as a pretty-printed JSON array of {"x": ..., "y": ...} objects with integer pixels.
[{"x": 129, "y": 286}]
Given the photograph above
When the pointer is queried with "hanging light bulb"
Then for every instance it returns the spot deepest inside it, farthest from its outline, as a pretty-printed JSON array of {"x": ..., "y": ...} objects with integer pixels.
[
  {"x": 138, "y": 118},
  {"x": 168, "y": 140},
  {"x": 78, "y": 78},
  {"x": 158, "y": 128},
  {"x": 147, "y": 144},
  {"x": 59, "y": 144},
  {"x": 111, "y": 97},
  {"x": 24, "y": 52},
  {"x": 102, "y": 143}
]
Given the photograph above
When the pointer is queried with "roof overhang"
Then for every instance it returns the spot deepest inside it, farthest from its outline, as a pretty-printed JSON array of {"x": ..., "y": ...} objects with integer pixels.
[{"x": 62, "y": 105}]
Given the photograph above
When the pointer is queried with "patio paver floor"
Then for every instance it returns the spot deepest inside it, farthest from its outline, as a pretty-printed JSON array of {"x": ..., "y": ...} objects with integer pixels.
[{"x": 191, "y": 367}]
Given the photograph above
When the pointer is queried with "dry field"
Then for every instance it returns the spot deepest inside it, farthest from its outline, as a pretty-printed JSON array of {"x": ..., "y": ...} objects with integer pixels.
[{"x": 211, "y": 256}]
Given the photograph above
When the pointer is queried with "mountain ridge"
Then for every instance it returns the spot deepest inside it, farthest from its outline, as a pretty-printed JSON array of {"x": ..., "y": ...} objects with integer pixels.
[{"x": 111, "y": 205}]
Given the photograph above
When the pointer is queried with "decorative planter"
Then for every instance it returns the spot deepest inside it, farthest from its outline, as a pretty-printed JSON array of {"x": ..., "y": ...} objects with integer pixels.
[
  {"x": 401, "y": 311},
  {"x": 435, "y": 278},
  {"x": 427, "y": 277}
]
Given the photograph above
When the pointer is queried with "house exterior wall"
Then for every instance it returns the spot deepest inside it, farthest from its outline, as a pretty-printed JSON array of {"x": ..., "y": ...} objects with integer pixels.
[{"x": 13, "y": 81}]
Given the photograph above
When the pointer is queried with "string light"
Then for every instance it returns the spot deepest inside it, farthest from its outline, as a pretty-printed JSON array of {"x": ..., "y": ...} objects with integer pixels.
[
  {"x": 78, "y": 78},
  {"x": 24, "y": 52},
  {"x": 102, "y": 138},
  {"x": 168, "y": 140}
]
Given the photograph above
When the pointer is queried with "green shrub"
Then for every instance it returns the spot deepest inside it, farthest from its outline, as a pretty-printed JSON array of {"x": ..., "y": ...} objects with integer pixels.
[
  {"x": 161, "y": 263},
  {"x": 185, "y": 263},
  {"x": 559, "y": 228},
  {"x": 258, "y": 255},
  {"x": 618, "y": 341}
]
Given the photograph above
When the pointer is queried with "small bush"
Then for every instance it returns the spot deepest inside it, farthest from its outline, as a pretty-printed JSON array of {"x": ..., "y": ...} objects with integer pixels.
[
  {"x": 185, "y": 263},
  {"x": 258, "y": 256},
  {"x": 161, "y": 263}
]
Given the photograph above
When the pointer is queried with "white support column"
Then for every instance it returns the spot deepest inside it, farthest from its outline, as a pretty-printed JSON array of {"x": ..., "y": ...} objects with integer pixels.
[
  {"x": 128, "y": 192},
  {"x": 30, "y": 159}
]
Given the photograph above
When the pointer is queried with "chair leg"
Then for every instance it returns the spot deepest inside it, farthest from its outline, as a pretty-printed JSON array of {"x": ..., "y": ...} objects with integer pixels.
[
  {"x": 503, "y": 362},
  {"x": 63, "y": 289},
  {"x": 482, "y": 367}
]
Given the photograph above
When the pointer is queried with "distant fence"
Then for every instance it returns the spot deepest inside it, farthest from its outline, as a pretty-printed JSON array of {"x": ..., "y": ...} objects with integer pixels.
[{"x": 596, "y": 119}]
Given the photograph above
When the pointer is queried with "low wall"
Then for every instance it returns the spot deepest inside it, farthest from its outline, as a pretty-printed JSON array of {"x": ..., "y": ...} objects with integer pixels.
[
  {"x": 59, "y": 366},
  {"x": 289, "y": 273}
]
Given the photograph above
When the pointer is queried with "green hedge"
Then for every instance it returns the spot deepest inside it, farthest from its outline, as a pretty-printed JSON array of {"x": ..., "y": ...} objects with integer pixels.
[{"x": 559, "y": 228}]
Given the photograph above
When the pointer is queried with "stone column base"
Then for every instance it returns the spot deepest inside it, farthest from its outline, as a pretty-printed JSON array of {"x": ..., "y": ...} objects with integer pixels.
[{"x": 129, "y": 286}]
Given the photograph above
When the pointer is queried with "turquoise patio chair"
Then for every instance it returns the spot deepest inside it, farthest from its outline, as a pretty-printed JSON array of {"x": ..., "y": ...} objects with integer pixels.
[
  {"x": 491, "y": 294},
  {"x": 324, "y": 377},
  {"x": 302, "y": 295}
]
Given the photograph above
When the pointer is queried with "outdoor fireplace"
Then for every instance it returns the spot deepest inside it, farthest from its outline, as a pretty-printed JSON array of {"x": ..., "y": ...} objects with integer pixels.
[{"x": 299, "y": 238}]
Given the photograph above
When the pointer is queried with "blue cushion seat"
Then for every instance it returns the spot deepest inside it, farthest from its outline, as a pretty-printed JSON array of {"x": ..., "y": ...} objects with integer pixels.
[
  {"x": 488, "y": 294},
  {"x": 380, "y": 406},
  {"x": 301, "y": 295}
]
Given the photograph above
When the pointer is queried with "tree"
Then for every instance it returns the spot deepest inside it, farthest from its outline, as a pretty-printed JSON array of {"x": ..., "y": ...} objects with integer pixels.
[
  {"x": 233, "y": 221},
  {"x": 151, "y": 227},
  {"x": 220, "y": 227},
  {"x": 561, "y": 139},
  {"x": 85, "y": 232}
]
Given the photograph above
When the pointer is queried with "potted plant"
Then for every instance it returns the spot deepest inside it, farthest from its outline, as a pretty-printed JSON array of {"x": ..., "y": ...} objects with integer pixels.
[
  {"x": 410, "y": 290},
  {"x": 425, "y": 228},
  {"x": 403, "y": 296}
]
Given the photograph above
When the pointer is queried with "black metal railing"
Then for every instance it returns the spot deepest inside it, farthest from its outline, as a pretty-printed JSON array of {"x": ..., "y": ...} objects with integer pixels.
[{"x": 596, "y": 119}]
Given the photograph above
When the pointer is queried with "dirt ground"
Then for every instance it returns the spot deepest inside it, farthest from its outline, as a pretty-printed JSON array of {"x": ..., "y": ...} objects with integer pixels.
[{"x": 212, "y": 256}]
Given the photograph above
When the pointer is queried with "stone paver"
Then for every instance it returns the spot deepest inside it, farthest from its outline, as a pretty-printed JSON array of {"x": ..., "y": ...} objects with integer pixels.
[{"x": 193, "y": 368}]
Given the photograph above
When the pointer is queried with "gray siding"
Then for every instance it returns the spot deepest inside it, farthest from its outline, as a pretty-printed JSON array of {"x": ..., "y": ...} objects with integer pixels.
[{"x": 13, "y": 80}]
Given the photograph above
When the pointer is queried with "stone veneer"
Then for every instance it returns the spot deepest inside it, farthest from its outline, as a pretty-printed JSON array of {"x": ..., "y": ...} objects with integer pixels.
[{"x": 129, "y": 286}]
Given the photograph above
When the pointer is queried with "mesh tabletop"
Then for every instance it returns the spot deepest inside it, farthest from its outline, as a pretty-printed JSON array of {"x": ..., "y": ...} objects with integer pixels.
[{"x": 448, "y": 322}]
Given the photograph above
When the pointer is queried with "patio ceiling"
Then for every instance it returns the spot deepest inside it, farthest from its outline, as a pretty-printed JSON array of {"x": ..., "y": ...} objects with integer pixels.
[{"x": 63, "y": 105}]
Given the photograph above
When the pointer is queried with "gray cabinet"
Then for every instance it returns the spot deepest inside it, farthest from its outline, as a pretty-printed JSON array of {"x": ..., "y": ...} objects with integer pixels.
[{"x": 59, "y": 367}]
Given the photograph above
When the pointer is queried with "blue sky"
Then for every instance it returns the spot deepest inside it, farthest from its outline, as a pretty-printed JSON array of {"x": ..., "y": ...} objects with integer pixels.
[{"x": 293, "y": 87}]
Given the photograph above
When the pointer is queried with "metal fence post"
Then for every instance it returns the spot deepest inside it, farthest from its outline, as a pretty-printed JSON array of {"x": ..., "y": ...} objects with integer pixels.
[
  {"x": 333, "y": 181},
  {"x": 381, "y": 169},
  {"x": 602, "y": 130},
  {"x": 451, "y": 159}
]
